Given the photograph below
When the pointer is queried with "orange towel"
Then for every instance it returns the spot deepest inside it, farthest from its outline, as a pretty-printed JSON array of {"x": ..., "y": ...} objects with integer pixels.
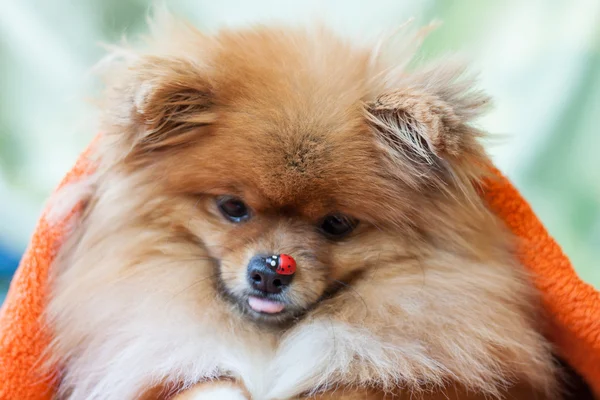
[{"x": 574, "y": 306}]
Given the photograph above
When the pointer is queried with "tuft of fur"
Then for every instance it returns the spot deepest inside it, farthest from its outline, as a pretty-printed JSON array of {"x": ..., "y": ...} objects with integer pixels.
[{"x": 426, "y": 296}]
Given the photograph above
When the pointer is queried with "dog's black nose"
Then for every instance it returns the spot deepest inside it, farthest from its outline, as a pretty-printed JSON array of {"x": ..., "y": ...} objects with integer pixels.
[{"x": 263, "y": 276}]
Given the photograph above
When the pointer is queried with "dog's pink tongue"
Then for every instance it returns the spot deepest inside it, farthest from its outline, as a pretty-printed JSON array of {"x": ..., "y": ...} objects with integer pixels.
[{"x": 266, "y": 306}]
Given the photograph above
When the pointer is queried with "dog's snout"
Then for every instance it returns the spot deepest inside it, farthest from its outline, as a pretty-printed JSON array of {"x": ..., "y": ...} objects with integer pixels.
[{"x": 263, "y": 274}]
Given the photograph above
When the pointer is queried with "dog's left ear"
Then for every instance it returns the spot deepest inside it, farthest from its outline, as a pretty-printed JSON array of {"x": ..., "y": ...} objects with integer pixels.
[{"x": 425, "y": 122}]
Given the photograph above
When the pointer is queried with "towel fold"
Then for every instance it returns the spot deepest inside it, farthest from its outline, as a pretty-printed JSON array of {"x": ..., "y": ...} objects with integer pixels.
[{"x": 572, "y": 305}]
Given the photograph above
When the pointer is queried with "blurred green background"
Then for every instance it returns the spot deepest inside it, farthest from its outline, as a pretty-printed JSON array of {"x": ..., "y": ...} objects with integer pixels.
[{"x": 539, "y": 59}]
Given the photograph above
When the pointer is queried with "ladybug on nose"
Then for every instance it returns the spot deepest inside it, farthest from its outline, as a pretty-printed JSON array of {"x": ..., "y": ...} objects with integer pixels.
[{"x": 283, "y": 264}]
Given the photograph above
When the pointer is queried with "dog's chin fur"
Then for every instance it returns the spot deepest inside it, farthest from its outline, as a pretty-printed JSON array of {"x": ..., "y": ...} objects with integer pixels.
[{"x": 426, "y": 293}]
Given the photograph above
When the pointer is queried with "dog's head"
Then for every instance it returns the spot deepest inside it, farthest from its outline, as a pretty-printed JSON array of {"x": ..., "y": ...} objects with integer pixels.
[{"x": 298, "y": 148}]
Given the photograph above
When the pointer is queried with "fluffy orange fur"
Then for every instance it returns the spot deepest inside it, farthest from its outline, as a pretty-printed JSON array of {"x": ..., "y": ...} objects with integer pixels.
[{"x": 424, "y": 298}]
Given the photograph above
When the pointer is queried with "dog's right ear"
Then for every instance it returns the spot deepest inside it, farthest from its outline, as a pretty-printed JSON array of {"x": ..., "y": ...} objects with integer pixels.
[
  {"x": 155, "y": 102},
  {"x": 156, "y": 97}
]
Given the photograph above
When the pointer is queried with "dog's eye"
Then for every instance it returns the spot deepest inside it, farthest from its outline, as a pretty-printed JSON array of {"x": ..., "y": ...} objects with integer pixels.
[
  {"x": 336, "y": 226},
  {"x": 233, "y": 208}
]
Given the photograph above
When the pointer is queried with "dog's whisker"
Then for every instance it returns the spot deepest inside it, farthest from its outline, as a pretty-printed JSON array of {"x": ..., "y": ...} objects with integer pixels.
[
  {"x": 356, "y": 293},
  {"x": 194, "y": 284}
]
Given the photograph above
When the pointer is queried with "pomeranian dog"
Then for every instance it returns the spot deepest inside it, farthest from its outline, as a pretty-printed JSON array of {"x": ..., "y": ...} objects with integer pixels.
[{"x": 278, "y": 213}]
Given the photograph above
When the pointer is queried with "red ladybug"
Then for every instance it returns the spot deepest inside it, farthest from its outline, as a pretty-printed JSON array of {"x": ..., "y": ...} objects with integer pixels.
[{"x": 286, "y": 265}]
